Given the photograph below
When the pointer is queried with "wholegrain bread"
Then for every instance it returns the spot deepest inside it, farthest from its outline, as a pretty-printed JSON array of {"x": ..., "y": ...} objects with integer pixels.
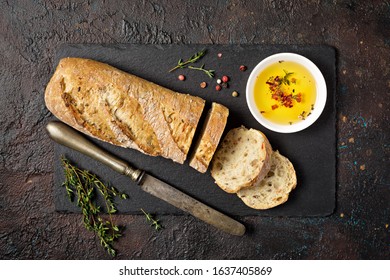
[
  {"x": 122, "y": 109},
  {"x": 210, "y": 136},
  {"x": 242, "y": 160},
  {"x": 275, "y": 188}
]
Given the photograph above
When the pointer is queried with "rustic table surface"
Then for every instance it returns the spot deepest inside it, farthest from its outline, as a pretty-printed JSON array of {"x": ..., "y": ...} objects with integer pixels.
[{"x": 30, "y": 33}]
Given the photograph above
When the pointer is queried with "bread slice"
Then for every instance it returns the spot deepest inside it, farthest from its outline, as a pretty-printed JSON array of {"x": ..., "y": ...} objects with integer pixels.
[
  {"x": 210, "y": 136},
  {"x": 242, "y": 160},
  {"x": 122, "y": 109},
  {"x": 275, "y": 188}
]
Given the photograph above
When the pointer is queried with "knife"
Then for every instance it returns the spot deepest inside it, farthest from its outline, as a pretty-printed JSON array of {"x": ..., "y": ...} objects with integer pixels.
[{"x": 67, "y": 136}]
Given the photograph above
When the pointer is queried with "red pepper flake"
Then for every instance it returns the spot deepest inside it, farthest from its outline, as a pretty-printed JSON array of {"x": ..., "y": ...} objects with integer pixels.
[
  {"x": 218, "y": 87},
  {"x": 298, "y": 97},
  {"x": 225, "y": 79},
  {"x": 279, "y": 94},
  {"x": 275, "y": 96},
  {"x": 274, "y": 107},
  {"x": 181, "y": 77},
  {"x": 243, "y": 68}
]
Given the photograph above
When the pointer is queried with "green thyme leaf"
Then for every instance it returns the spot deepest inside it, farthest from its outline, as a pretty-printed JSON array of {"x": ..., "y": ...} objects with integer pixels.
[
  {"x": 192, "y": 59},
  {"x": 153, "y": 223},
  {"x": 85, "y": 184},
  {"x": 209, "y": 73},
  {"x": 286, "y": 77}
]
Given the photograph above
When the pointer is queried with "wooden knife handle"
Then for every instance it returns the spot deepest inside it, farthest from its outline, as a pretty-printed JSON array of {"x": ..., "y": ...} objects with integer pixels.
[{"x": 67, "y": 136}]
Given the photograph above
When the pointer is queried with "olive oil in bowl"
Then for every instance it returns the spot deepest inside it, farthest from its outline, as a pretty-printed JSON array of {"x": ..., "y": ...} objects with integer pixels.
[{"x": 285, "y": 92}]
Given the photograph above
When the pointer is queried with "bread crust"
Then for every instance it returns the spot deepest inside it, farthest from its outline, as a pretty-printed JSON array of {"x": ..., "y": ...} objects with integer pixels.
[
  {"x": 210, "y": 136},
  {"x": 266, "y": 163},
  {"x": 122, "y": 109}
]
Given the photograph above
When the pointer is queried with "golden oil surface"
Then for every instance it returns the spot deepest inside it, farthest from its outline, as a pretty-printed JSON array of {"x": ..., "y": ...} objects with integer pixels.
[{"x": 300, "y": 81}]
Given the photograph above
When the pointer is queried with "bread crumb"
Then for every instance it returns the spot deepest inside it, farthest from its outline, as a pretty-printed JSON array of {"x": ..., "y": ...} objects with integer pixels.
[
  {"x": 351, "y": 140},
  {"x": 386, "y": 225},
  {"x": 342, "y": 215},
  {"x": 344, "y": 118},
  {"x": 362, "y": 167}
]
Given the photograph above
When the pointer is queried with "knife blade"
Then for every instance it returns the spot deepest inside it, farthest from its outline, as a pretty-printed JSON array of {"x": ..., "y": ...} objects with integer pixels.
[{"x": 67, "y": 136}]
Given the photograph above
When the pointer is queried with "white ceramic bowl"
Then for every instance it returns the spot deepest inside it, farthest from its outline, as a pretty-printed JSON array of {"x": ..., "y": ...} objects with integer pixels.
[{"x": 319, "y": 104}]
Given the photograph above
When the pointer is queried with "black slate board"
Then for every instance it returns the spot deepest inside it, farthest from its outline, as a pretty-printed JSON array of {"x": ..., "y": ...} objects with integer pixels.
[{"x": 312, "y": 151}]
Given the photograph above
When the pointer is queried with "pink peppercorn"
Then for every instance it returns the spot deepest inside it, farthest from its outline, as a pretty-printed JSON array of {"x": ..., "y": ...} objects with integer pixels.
[
  {"x": 225, "y": 79},
  {"x": 218, "y": 87},
  {"x": 181, "y": 77},
  {"x": 242, "y": 68},
  {"x": 219, "y": 55}
]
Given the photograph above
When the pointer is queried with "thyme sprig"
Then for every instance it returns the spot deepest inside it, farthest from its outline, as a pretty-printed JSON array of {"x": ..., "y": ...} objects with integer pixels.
[
  {"x": 192, "y": 59},
  {"x": 286, "y": 77},
  {"x": 84, "y": 184},
  {"x": 153, "y": 223},
  {"x": 209, "y": 73}
]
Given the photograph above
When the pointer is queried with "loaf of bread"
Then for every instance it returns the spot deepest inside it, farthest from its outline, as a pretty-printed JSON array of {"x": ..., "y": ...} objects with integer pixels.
[
  {"x": 122, "y": 109},
  {"x": 275, "y": 188},
  {"x": 210, "y": 136},
  {"x": 242, "y": 160}
]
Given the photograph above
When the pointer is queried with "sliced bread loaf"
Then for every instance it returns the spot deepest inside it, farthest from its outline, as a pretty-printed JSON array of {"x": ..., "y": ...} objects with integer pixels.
[
  {"x": 275, "y": 188},
  {"x": 122, "y": 109},
  {"x": 209, "y": 139},
  {"x": 242, "y": 160}
]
